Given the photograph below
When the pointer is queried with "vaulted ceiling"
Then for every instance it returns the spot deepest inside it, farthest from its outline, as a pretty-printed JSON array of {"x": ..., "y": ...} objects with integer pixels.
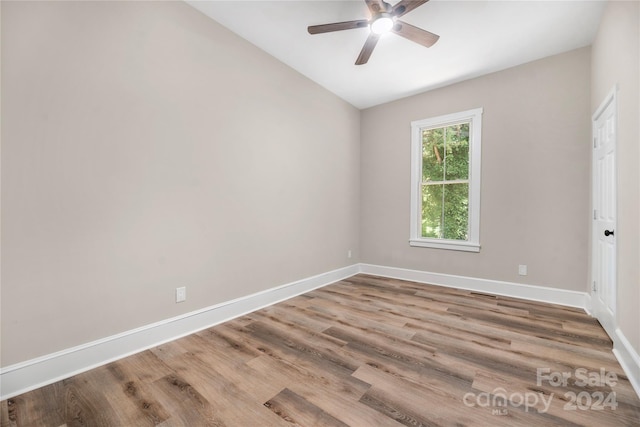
[{"x": 476, "y": 37}]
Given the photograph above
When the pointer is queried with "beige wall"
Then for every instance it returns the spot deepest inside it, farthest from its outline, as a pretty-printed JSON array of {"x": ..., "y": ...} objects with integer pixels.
[
  {"x": 616, "y": 60},
  {"x": 145, "y": 147},
  {"x": 535, "y": 175}
]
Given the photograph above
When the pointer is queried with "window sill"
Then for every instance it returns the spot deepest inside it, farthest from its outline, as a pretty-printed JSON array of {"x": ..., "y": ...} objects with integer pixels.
[{"x": 446, "y": 244}]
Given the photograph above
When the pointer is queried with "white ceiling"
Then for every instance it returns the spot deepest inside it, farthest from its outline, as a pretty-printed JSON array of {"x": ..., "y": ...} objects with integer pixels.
[{"x": 476, "y": 37}]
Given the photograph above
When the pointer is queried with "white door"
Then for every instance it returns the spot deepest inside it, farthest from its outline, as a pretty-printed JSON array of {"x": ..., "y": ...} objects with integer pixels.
[{"x": 603, "y": 291}]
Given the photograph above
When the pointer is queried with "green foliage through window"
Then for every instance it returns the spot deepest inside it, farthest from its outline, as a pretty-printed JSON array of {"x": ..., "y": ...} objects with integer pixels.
[{"x": 445, "y": 182}]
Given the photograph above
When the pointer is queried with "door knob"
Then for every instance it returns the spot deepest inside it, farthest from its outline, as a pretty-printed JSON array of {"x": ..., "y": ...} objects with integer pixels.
[{"x": 608, "y": 233}]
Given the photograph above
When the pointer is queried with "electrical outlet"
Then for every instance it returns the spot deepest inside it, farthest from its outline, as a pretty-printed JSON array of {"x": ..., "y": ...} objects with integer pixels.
[
  {"x": 349, "y": 253},
  {"x": 181, "y": 294},
  {"x": 522, "y": 269}
]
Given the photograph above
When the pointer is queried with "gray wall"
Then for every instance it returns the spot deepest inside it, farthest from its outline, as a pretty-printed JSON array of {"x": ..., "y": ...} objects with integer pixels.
[
  {"x": 145, "y": 147},
  {"x": 535, "y": 175},
  {"x": 616, "y": 60}
]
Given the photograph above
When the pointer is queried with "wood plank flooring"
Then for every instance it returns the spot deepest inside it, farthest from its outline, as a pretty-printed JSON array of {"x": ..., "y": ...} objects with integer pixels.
[{"x": 366, "y": 351}]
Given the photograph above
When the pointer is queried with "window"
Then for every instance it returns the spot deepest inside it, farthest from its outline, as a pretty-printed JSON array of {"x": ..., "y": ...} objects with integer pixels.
[{"x": 445, "y": 181}]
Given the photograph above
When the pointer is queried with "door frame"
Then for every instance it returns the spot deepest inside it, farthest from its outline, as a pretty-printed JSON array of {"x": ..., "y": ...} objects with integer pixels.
[{"x": 609, "y": 324}]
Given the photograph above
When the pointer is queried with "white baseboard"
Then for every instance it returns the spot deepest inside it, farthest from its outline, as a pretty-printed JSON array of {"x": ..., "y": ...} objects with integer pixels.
[
  {"x": 32, "y": 374},
  {"x": 495, "y": 287},
  {"x": 628, "y": 358}
]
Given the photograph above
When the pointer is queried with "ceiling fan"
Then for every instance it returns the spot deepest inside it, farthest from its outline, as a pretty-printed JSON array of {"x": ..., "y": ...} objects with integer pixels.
[{"x": 384, "y": 18}]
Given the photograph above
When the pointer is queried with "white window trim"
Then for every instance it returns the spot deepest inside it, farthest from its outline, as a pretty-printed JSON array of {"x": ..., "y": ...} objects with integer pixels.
[{"x": 415, "y": 238}]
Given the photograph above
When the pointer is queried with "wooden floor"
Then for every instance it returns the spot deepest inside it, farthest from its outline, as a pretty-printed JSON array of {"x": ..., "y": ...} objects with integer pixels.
[{"x": 366, "y": 351}]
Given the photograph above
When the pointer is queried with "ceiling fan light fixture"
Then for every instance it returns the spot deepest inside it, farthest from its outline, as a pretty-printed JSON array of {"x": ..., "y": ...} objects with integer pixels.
[
  {"x": 382, "y": 23},
  {"x": 383, "y": 18}
]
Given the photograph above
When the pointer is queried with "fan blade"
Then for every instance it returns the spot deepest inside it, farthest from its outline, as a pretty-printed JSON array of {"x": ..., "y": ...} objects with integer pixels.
[
  {"x": 375, "y": 6},
  {"x": 337, "y": 26},
  {"x": 367, "y": 49},
  {"x": 405, "y": 6},
  {"x": 415, "y": 34}
]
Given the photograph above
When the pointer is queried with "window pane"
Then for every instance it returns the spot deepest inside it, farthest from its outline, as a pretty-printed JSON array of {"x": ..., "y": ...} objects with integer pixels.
[
  {"x": 457, "y": 151},
  {"x": 432, "y": 211},
  {"x": 433, "y": 155},
  {"x": 456, "y": 212},
  {"x": 445, "y": 181}
]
